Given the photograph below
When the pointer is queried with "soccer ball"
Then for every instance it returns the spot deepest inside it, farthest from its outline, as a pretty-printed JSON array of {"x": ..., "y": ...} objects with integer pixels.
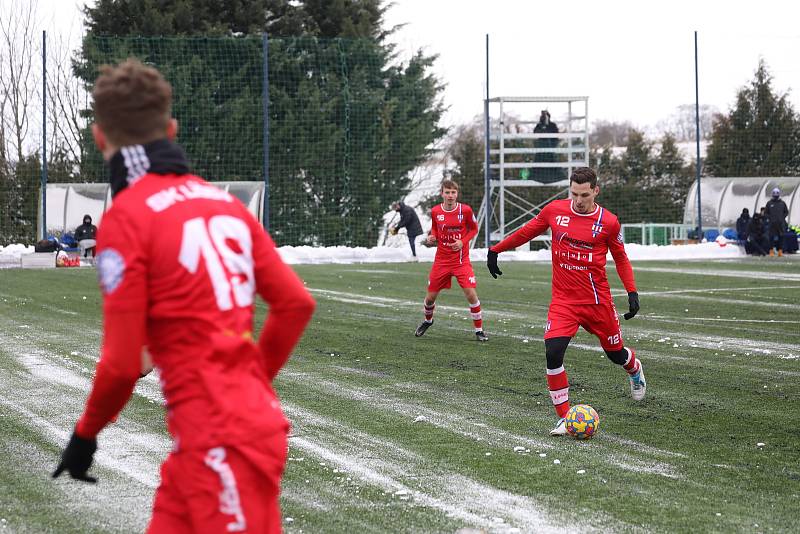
[{"x": 582, "y": 421}]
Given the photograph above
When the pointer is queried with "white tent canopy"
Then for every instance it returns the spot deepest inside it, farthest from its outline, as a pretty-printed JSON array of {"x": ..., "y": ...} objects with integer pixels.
[
  {"x": 68, "y": 203},
  {"x": 723, "y": 199}
]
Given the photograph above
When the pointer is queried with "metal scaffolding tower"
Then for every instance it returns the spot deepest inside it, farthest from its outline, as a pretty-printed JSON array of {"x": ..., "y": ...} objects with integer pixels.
[{"x": 522, "y": 155}]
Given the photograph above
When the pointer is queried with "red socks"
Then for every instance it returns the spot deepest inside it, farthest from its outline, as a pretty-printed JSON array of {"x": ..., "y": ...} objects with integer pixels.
[{"x": 558, "y": 385}]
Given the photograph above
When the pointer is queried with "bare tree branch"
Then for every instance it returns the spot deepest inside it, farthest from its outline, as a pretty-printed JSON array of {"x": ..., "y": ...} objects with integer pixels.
[
  {"x": 18, "y": 77},
  {"x": 66, "y": 97}
]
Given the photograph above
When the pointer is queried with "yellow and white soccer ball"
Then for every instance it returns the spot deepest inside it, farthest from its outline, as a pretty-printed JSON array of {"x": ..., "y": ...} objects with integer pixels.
[{"x": 582, "y": 421}]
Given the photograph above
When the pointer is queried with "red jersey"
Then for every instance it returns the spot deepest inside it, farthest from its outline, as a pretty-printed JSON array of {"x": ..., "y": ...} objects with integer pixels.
[
  {"x": 579, "y": 247},
  {"x": 447, "y": 227},
  {"x": 179, "y": 263}
]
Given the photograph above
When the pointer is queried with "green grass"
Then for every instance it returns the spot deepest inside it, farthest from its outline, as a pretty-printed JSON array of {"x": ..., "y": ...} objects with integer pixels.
[{"x": 393, "y": 433}]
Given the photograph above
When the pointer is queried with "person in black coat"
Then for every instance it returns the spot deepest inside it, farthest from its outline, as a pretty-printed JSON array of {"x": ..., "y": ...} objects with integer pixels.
[
  {"x": 741, "y": 225},
  {"x": 86, "y": 236},
  {"x": 776, "y": 213},
  {"x": 756, "y": 237},
  {"x": 408, "y": 220},
  {"x": 546, "y": 126}
]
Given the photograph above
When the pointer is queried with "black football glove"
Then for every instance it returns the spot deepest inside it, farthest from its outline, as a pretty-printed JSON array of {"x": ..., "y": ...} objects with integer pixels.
[
  {"x": 77, "y": 458},
  {"x": 633, "y": 305},
  {"x": 491, "y": 263}
]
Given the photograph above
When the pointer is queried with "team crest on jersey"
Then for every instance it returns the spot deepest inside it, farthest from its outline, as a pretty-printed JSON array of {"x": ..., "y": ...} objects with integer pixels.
[
  {"x": 597, "y": 227},
  {"x": 110, "y": 270},
  {"x": 619, "y": 238}
]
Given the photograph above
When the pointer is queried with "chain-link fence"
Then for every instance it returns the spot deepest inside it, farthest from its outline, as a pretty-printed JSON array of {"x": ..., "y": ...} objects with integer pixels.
[
  {"x": 337, "y": 130},
  {"x": 343, "y": 130}
]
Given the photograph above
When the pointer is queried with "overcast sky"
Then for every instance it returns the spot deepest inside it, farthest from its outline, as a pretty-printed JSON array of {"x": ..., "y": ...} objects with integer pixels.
[{"x": 633, "y": 59}]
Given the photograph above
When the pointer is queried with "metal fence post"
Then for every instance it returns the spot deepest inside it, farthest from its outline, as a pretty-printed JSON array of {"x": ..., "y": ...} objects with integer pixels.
[
  {"x": 697, "y": 135},
  {"x": 265, "y": 104},
  {"x": 487, "y": 212},
  {"x": 44, "y": 135}
]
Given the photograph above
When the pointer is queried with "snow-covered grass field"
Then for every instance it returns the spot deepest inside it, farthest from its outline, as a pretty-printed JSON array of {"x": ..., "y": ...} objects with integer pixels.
[{"x": 393, "y": 433}]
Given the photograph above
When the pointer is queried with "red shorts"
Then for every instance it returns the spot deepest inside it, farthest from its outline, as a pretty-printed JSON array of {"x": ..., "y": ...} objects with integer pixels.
[
  {"x": 221, "y": 490},
  {"x": 440, "y": 276},
  {"x": 601, "y": 320}
]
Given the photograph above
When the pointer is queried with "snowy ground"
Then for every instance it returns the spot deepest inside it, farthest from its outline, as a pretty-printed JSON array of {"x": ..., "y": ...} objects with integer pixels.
[{"x": 10, "y": 255}]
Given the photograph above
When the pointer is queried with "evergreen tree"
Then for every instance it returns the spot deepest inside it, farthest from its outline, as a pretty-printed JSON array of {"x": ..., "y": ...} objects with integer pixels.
[
  {"x": 636, "y": 164},
  {"x": 149, "y": 18},
  {"x": 644, "y": 184},
  {"x": 760, "y": 136},
  {"x": 607, "y": 165},
  {"x": 468, "y": 154},
  {"x": 19, "y": 189},
  {"x": 672, "y": 179},
  {"x": 347, "y": 121}
]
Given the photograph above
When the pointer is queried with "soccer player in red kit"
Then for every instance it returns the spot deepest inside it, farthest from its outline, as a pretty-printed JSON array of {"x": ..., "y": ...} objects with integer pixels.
[
  {"x": 583, "y": 232},
  {"x": 179, "y": 263},
  {"x": 452, "y": 226}
]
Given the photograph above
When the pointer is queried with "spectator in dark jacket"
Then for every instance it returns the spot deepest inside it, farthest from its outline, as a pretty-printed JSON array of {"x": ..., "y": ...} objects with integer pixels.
[
  {"x": 408, "y": 220},
  {"x": 756, "y": 237},
  {"x": 776, "y": 213},
  {"x": 741, "y": 225},
  {"x": 546, "y": 126},
  {"x": 86, "y": 235}
]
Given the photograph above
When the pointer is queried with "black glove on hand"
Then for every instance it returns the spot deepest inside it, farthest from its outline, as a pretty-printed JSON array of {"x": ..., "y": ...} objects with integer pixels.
[
  {"x": 77, "y": 458},
  {"x": 633, "y": 305},
  {"x": 491, "y": 263}
]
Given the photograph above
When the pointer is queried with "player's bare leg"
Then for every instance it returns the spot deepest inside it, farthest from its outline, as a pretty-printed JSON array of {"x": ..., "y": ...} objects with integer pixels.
[
  {"x": 428, "y": 306},
  {"x": 475, "y": 312}
]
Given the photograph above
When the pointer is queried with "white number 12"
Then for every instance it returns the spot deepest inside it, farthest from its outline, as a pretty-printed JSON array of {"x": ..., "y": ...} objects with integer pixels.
[{"x": 210, "y": 242}]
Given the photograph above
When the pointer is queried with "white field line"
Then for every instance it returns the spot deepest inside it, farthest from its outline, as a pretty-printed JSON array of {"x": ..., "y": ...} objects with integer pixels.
[
  {"x": 756, "y": 275},
  {"x": 462, "y": 419},
  {"x": 721, "y": 344},
  {"x": 27, "y": 301},
  {"x": 683, "y": 320},
  {"x": 650, "y": 354},
  {"x": 381, "y": 271},
  {"x": 115, "y": 441},
  {"x": 458, "y": 497},
  {"x": 754, "y": 328},
  {"x": 731, "y": 302},
  {"x": 125, "y": 446},
  {"x": 458, "y": 403},
  {"x": 707, "y": 290},
  {"x": 463, "y": 425},
  {"x": 385, "y": 302},
  {"x": 730, "y": 344}
]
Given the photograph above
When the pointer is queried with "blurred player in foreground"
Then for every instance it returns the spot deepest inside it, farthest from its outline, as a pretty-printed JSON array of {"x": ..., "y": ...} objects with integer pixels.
[
  {"x": 179, "y": 263},
  {"x": 452, "y": 226},
  {"x": 583, "y": 232}
]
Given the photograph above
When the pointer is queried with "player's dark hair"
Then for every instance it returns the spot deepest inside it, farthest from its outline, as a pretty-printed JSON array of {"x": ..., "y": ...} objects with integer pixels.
[
  {"x": 132, "y": 103},
  {"x": 450, "y": 184},
  {"x": 583, "y": 175}
]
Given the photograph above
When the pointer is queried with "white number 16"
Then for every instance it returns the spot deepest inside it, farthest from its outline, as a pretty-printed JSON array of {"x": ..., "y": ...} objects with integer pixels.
[{"x": 211, "y": 242}]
